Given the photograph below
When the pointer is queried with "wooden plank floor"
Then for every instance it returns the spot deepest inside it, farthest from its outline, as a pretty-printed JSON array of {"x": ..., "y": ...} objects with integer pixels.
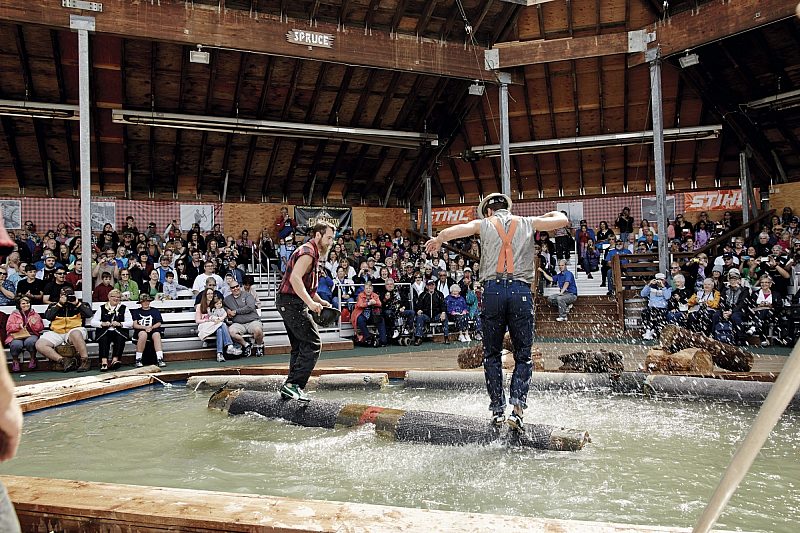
[{"x": 61, "y": 505}]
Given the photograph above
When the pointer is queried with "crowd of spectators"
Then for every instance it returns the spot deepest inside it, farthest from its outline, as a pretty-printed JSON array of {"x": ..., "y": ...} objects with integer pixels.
[
  {"x": 747, "y": 287},
  {"x": 386, "y": 284}
]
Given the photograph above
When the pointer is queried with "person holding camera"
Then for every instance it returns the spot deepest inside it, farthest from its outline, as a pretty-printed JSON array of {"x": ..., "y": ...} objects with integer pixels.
[
  {"x": 654, "y": 316},
  {"x": 624, "y": 224},
  {"x": 764, "y": 305},
  {"x": 66, "y": 327},
  {"x": 702, "y": 307}
]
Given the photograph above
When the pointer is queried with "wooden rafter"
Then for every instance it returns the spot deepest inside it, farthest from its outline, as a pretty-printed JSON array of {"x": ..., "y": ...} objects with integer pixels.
[
  {"x": 715, "y": 21},
  {"x": 422, "y": 22},
  {"x": 95, "y": 116},
  {"x": 532, "y": 133},
  {"x": 276, "y": 144},
  {"x": 601, "y": 110},
  {"x": 176, "y": 153},
  {"x": 151, "y": 132},
  {"x": 30, "y": 92},
  {"x": 212, "y": 76},
  {"x": 226, "y": 155},
  {"x": 456, "y": 177},
  {"x": 10, "y": 134},
  {"x": 262, "y": 105},
  {"x": 508, "y": 18},
  {"x": 172, "y": 22},
  {"x": 576, "y": 104},
  {"x": 399, "y": 11},
  {"x": 552, "y": 113},
  {"x": 487, "y": 139},
  {"x": 62, "y": 98}
]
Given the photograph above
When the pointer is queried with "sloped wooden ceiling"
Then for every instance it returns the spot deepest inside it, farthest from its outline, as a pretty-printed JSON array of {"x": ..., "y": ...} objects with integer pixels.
[{"x": 562, "y": 99}]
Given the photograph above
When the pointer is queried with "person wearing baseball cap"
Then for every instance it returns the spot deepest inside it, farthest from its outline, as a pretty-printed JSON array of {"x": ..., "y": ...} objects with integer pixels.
[
  {"x": 506, "y": 272},
  {"x": 430, "y": 307}
]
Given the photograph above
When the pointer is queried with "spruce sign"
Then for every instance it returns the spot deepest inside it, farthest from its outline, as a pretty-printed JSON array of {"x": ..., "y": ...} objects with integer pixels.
[{"x": 310, "y": 38}]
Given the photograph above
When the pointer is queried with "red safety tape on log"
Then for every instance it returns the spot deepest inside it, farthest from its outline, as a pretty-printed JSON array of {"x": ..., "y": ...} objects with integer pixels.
[{"x": 370, "y": 414}]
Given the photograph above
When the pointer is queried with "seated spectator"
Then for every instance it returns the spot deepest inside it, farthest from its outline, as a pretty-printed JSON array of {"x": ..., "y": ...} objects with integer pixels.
[
  {"x": 75, "y": 276},
  {"x": 590, "y": 260},
  {"x": 343, "y": 290},
  {"x": 47, "y": 266},
  {"x": 7, "y": 289},
  {"x": 285, "y": 224},
  {"x": 31, "y": 286},
  {"x": 210, "y": 318},
  {"x": 147, "y": 327},
  {"x": 567, "y": 293},
  {"x": 66, "y": 327},
  {"x": 23, "y": 328},
  {"x": 368, "y": 311},
  {"x": 702, "y": 306},
  {"x": 701, "y": 235},
  {"x": 100, "y": 293},
  {"x": 171, "y": 287},
  {"x": 325, "y": 285},
  {"x": 394, "y": 306},
  {"x": 764, "y": 305},
  {"x": 285, "y": 251},
  {"x": 152, "y": 286},
  {"x": 695, "y": 271},
  {"x": 723, "y": 329},
  {"x": 678, "y": 304},
  {"x": 111, "y": 322},
  {"x": 233, "y": 270},
  {"x": 249, "y": 288},
  {"x": 430, "y": 306},
  {"x": 105, "y": 263},
  {"x": 458, "y": 313},
  {"x": 129, "y": 289},
  {"x": 164, "y": 267},
  {"x": 654, "y": 316},
  {"x": 735, "y": 298},
  {"x": 211, "y": 283},
  {"x": 53, "y": 289},
  {"x": 208, "y": 272},
  {"x": 243, "y": 313},
  {"x": 618, "y": 249},
  {"x": 443, "y": 283}
]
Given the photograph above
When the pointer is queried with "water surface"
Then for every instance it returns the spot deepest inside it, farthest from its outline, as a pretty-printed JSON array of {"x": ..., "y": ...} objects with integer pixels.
[{"x": 650, "y": 462}]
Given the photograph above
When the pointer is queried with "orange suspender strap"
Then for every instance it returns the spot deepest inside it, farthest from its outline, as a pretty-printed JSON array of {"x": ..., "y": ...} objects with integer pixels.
[{"x": 505, "y": 260}]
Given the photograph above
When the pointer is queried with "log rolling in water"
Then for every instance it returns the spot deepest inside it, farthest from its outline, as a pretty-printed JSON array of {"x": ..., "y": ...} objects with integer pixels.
[{"x": 410, "y": 426}]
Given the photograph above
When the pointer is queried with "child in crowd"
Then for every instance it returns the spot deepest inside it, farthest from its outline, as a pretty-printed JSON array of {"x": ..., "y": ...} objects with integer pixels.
[{"x": 171, "y": 287}]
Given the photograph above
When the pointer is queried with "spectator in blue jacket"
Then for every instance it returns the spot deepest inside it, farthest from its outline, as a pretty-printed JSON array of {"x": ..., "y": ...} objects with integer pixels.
[
  {"x": 618, "y": 249},
  {"x": 325, "y": 285},
  {"x": 590, "y": 259},
  {"x": 658, "y": 293},
  {"x": 567, "y": 290},
  {"x": 458, "y": 312}
]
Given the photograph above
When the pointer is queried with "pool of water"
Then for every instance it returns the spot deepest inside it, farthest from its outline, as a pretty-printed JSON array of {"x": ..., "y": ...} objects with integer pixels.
[{"x": 650, "y": 462}]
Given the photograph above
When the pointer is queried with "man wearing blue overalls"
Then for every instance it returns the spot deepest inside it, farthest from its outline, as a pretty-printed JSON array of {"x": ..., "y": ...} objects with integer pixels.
[{"x": 506, "y": 271}]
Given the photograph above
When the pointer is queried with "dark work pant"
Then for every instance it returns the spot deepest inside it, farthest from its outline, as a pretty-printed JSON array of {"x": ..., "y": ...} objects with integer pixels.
[
  {"x": 108, "y": 339},
  {"x": 654, "y": 318},
  {"x": 563, "y": 247},
  {"x": 303, "y": 336},
  {"x": 507, "y": 305}
]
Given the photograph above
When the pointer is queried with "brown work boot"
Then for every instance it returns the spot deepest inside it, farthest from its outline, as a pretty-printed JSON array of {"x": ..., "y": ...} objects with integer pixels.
[
  {"x": 68, "y": 363},
  {"x": 85, "y": 365}
]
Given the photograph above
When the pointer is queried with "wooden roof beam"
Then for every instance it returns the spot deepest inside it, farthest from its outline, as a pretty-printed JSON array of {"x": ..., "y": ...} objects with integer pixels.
[
  {"x": 177, "y": 152},
  {"x": 9, "y": 133},
  {"x": 95, "y": 115},
  {"x": 173, "y": 22},
  {"x": 532, "y": 133},
  {"x": 62, "y": 98},
  {"x": 30, "y": 92},
  {"x": 243, "y": 58},
  {"x": 276, "y": 145},
  {"x": 151, "y": 148},
  {"x": 212, "y": 76},
  {"x": 520, "y": 53},
  {"x": 714, "y": 21}
]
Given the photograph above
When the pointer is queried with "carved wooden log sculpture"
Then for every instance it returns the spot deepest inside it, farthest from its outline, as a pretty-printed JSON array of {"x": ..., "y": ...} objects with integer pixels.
[
  {"x": 472, "y": 357},
  {"x": 696, "y": 360},
  {"x": 733, "y": 358}
]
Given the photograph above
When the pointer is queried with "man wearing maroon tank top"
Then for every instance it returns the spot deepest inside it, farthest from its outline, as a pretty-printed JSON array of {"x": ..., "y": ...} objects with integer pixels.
[
  {"x": 297, "y": 298},
  {"x": 506, "y": 271}
]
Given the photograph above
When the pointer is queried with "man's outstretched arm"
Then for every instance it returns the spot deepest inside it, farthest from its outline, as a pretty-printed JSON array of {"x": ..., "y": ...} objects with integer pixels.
[
  {"x": 453, "y": 232},
  {"x": 550, "y": 221}
]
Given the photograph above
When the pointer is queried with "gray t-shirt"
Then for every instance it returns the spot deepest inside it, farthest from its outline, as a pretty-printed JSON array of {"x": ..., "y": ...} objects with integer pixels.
[
  {"x": 245, "y": 307},
  {"x": 522, "y": 245}
]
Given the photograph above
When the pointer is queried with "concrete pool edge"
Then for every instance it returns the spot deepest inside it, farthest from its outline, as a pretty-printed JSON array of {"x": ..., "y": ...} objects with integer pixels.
[{"x": 45, "y": 504}]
